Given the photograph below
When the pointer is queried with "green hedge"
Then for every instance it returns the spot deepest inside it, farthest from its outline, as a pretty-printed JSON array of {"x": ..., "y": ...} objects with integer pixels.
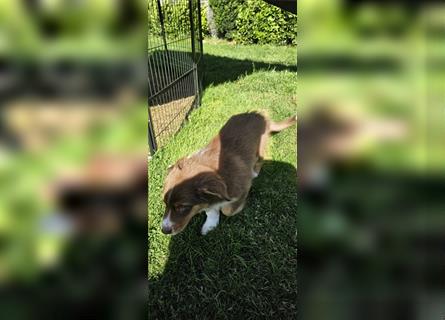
[
  {"x": 225, "y": 14},
  {"x": 254, "y": 21},
  {"x": 176, "y": 20},
  {"x": 259, "y": 22},
  {"x": 245, "y": 21}
]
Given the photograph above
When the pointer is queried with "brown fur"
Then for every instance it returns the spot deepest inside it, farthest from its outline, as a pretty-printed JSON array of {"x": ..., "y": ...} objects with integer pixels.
[{"x": 221, "y": 171}]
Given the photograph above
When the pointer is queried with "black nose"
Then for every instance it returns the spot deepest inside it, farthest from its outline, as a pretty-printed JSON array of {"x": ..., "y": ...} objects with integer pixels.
[{"x": 166, "y": 230}]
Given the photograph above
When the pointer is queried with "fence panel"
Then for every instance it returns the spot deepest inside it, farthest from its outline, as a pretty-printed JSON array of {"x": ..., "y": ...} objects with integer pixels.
[{"x": 174, "y": 66}]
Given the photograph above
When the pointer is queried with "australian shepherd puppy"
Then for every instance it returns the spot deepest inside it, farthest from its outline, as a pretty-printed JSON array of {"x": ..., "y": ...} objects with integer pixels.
[{"x": 218, "y": 177}]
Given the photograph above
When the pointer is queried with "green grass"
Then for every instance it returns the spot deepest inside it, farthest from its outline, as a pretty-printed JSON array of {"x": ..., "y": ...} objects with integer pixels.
[{"x": 244, "y": 269}]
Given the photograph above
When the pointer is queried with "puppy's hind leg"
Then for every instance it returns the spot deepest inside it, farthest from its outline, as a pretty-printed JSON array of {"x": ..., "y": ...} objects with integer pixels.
[
  {"x": 260, "y": 154},
  {"x": 257, "y": 168},
  {"x": 233, "y": 208},
  {"x": 212, "y": 221}
]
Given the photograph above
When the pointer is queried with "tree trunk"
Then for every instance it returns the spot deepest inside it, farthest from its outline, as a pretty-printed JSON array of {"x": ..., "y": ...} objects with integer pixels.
[{"x": 210, "y": 20}]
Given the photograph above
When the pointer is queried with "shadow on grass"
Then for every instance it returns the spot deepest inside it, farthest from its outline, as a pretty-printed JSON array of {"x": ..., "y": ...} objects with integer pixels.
[
  {"x": 172, "y": 65},
  {"x": 245, "y": 268},
  {"x": 222, "y": 69}
]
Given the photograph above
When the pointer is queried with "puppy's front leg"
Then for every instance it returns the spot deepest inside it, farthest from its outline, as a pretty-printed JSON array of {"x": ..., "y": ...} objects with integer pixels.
[{"x": 212, "y": 221}]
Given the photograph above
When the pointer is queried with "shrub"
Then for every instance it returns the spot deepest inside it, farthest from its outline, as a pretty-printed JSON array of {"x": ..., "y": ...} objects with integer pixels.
[
  {"x": 204, "y": 23},
  {"x": 154, "y": 27},
  {"x": 245, "y": 21},
  {"x": 176, "y": 19},
  {"x": 225, "y": 14},
  {"x": 259, "y": 22}
]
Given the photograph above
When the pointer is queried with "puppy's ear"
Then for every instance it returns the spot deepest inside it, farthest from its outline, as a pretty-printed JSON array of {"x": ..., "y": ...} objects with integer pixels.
[
  {"x": 212, "y": 187},
  {"x": 180, "y": 163}
]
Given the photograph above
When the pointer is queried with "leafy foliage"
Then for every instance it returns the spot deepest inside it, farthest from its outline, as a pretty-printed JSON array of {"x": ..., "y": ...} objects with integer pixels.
[
  {"x": 176, "y": 19},
  {"x": 225, "y": 15},
  {"x": 254, "y": 21},
  {"x": 259, "y": 22},
  {"x": 245, "y": 21}
]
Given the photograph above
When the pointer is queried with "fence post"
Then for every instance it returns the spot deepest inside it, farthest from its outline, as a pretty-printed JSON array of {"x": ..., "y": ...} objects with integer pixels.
[
  {"x": 201, "y": 53},
  {"x": 151, "y": 134},
  {"x": 161, "y": 19},
  {"x": 195, "y": 66},
  {"x": 200, "y": 28}
]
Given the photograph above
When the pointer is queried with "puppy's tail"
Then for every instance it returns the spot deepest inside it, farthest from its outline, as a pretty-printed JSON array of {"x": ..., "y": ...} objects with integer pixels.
[{"x": 281, "y": 125}]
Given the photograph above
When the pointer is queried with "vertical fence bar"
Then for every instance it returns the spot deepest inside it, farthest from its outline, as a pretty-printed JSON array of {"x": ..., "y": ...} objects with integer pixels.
[
  {"x": 195, "y": 68},
  {"x": 200, "y": 28},
  {"x": 192, "y": 29},
  {"x": 151, "y": 134},
  {"x": 161, "y": 20},
  {"x": 201, "y": 54}
]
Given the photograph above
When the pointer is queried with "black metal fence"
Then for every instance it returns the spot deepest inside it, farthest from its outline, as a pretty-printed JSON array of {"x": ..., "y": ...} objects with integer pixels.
[{"x": 174, "y": 66}]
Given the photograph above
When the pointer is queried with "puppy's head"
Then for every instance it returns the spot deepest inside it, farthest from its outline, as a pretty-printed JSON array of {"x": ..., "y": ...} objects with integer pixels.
[{"x": 188, "y": 189}]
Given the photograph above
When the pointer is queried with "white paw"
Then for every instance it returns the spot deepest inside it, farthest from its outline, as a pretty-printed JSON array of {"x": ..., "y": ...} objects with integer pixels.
[
  {"x": 207, "y": 228},
  {"x": 254, "y": 174},
  {"x": 212, "y": 220}
]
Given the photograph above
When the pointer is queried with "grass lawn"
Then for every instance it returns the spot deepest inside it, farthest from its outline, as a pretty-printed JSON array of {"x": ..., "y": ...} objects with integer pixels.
[{"x": 246, "y": 268}]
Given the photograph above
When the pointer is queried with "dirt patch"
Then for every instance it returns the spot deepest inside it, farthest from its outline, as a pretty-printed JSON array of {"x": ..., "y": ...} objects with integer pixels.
[{"x": 168, "y": 118}]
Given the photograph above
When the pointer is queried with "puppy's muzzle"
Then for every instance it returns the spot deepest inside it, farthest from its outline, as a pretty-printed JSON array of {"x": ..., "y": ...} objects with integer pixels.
[
  {"x": 167, "y": 226},
  {"x": 166, "y": 229}
]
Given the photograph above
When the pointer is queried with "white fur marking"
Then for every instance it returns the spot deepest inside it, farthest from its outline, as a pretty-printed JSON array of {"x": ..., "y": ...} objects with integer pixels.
[
  {"x": 212, "y": 219},
  {"x": 254, "y": 174},
  {"x": 167, "y": 223}
]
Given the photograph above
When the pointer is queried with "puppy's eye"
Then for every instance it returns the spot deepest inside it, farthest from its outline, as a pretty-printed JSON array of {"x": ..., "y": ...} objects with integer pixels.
[{"x": 182, "y": 208}]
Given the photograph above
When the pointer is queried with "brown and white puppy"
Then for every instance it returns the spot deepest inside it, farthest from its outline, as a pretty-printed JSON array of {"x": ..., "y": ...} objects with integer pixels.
[{"x": 219, "y": 176}]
